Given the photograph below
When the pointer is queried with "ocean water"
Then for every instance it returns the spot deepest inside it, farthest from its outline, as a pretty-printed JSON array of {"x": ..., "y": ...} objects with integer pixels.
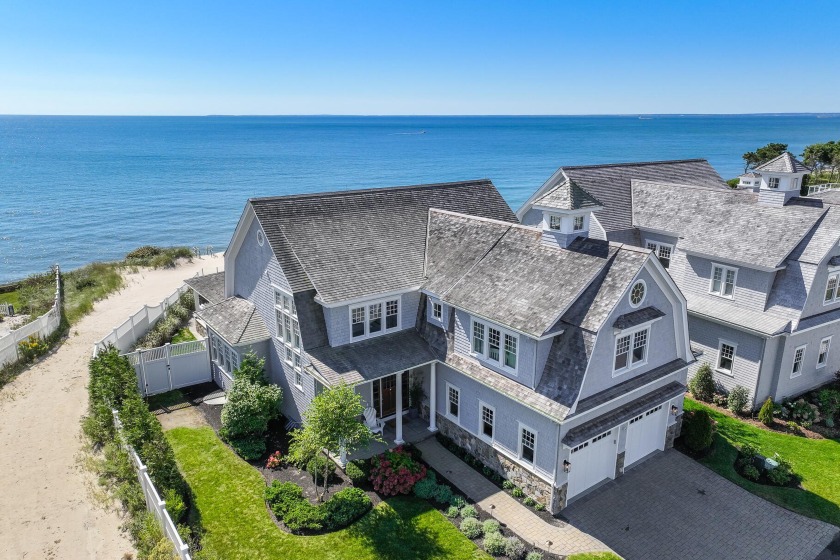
[{"x": 78, "y": 189}]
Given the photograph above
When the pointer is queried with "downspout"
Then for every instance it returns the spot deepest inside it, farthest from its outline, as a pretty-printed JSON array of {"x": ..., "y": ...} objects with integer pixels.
[{"x": 554, "y": 477}]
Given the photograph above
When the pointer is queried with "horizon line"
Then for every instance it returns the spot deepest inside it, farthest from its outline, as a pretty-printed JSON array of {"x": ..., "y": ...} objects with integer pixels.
[{"x": 434, "y": 115}]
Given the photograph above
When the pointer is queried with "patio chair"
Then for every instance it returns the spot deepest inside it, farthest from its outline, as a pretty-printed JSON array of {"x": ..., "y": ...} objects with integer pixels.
[{"x": 373, "y": 423}]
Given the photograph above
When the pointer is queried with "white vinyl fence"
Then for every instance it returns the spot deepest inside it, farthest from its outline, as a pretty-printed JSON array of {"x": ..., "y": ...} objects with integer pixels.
[
  {"x": 171, "y": 366},
  {"x": 126, "y": 335},
  {"x": 42, "y": 327},
  {"x": 6, "y": 309},
  {"x": 153, "y": 502}
]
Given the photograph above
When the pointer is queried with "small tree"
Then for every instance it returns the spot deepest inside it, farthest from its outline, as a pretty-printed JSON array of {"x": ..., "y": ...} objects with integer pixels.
[
  {"x": 738, "y": 399},
  {"x": 697, "y": 431},
  {"x": 763, "y": 154},
  {"x": 765, "y": 415},
  {"x": 330, "y": 424},
  {"x": 702, "y": 385}
]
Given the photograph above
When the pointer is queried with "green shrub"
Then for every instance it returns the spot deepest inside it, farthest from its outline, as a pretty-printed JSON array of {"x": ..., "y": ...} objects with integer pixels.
[
  {"x": 426, "y": 488},
  {"x": 765, "y": 415},
  {"x": 697, "y": 430},
  {"x": 534, "y": 555},
  {"x": 163, "y": 550},
  {"x": 443, "y": 494},
  {"x": 304, "y": 517},
  {"x": 750, "y": 472},
  {"x": 345, "y": 507},
  {"x": 702, "y": 385},
  {"x": 471, "y": 527},
  {"x": 174, "y": 505},
  {"x": 746, "y": 455},
  {"x": 517, "y": 492},
  {"x": 514, "y": 549},
  {"x": 829, "y": 402},
  {"x": 245, "y": 416},
  {"x": 249, "y": 448},
  {"x": 540, "y": 506},
  {"x": 469, "y": 511},
  {"x": 529, "y": 501},
  {"x": 143, "y": 253},
  {"x": 508, "y": 485},
  {"x": 318, "y": 465},
  {"x": 452, "y": 512},
  {"x": 781, "y": 475},
  {"x": 494, "y": 544},
  {"x": 458, "y": 501},
  {"x": 490, "y": 526},
  {"x": 738, "y": 399},
  {"x": 283, "y": 496},
  {"x": 356, "y": 475}
]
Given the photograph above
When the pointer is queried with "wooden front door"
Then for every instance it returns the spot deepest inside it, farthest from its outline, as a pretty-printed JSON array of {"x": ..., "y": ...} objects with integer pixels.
[{"x": 385, "y": 395}]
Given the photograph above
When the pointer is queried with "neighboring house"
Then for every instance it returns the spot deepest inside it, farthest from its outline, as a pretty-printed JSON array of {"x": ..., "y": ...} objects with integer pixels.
[
  {"x": 760, "y": 270},
  {"x": 559, "y": 360}
]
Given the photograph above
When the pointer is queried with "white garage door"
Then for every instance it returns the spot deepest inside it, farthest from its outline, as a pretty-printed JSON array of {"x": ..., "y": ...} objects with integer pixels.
[
  {"x": 592, "y": 461},
  {"x": 645, "y": 434}
]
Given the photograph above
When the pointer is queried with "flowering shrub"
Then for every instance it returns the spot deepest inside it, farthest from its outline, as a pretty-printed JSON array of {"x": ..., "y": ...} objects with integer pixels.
[
  {"x": 31, "y": 348},
  {"x": 274, "y": 461},
  {"x": 395, "y": 472}
]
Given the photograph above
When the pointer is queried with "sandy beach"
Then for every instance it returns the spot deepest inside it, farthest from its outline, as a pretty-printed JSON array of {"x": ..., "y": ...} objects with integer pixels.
[{"x": 47, "y": 507}]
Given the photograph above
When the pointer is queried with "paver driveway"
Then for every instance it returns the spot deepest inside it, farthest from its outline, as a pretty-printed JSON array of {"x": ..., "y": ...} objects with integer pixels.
[{"x": 672, "y": 507}]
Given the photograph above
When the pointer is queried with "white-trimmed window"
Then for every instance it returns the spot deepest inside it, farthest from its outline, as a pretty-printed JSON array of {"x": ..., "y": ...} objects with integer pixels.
[
  {"x": 726, "y": 357},
  {"x": 374, "y": 318},
  {"x": 773, "y": 182},
  {"x": 832, "y": 293},
  {"x": 288, "y": 331},
  {"x": 798, "y": 359},
  {"x": 577, "y": 225},
  {"x": 637, "y": 293},
  {"x": 555, "y": 222},
  {"x": 487, "y": 421},
  {"x": 437, "y": 311},
  {"x": 527, "y": 444},
  {"x": 723, "y": 280},
  {"x": 260, "y": 237},
  {"x": 223, "y": 355},
  {"x": 453, "y": 401},
  {"x": 631, "y": 350},
  {"x": 662, "y": 252},
  {"x": 299, "y": 380},
  {"x": 495, "y": 345},
  {"x": 822, "y": 357}
]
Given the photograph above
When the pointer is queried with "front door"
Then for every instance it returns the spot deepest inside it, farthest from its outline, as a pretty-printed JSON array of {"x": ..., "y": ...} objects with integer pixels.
[{"x": 385, "y": 395}]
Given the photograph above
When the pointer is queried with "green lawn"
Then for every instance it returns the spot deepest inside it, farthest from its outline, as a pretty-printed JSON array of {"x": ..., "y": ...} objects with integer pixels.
[
  {"x": 183, "y": 335},
  {"x": 593, "y": 556},
  {"x": 13, "y": 298},
  {"x": 229, "y": 498},
  {"x": 816, "y": 461}
]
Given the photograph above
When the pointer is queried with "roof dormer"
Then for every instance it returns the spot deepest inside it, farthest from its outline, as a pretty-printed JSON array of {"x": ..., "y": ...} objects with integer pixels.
[
  {"x": 567, "y": 210},
  {"x": 781, "y": 179}
]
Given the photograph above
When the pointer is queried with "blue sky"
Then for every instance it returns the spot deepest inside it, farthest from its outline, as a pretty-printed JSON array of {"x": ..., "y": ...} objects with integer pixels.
[{"x": 455, "y": 57}]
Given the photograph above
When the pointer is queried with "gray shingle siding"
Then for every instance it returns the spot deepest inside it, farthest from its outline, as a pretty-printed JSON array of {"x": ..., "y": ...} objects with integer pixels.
[
  {"x": 508, "y": 413},
  {"x": 811, "y": 376},
  {"x": 751, "y": 286},
  {"x": 525, "y": 351},
  {"x": 532, "y": 217},
  {"x": 662, "y": 345},
  {"x": 706, "y": 336},
  {"x": 338, "y": 318},
  {"x": 816, "y": 296},
  {"x": 444, "y": 312}
]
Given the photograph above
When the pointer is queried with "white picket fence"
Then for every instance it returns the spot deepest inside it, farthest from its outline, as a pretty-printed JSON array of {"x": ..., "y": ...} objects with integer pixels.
[
  {"x": 42, "y": 327},
  {"x": 171, "y": 366},
  {"x": 6, "y": 309},
  {"x": 125, "y": 336},
  {"x": 153, "y": 502}
]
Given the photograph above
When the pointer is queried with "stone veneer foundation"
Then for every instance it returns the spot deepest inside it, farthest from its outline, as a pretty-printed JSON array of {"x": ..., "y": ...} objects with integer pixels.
[
  {"x": 531, "y": 484},
  {"x": 673, "y": 432}
]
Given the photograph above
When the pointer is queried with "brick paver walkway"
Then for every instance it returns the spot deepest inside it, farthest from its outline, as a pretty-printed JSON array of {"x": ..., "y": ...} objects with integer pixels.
[
  {"x": 673, "y": 507},
  {"x": 518, "y": 518}
]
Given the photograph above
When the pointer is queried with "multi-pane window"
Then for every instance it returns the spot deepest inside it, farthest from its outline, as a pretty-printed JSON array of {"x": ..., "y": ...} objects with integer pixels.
[
  {"x": 798, "y": 358},
  {"x": 478, "y": 338},
  {"x": 454, "y": 400},
  {"x": 288, "y": 330},
  {"x": 488, "y": 417},
  {"x": 578, "y": 223},
  {"x": 528, "y": 444},
  {"x": 723, "y": 281},
  {"x": 832, "y": 294},
  {"x": 495, "y": 345},
  {"x": 726, "y": 357},
  {"x": 662, "y": 252},
  {"x": 822, "y": 358},
  {"x": 367, "y": 320},
  {"x": 555, "y": 222},
  {"x": 510, "y": 351},
  {"x": 637, "y": 293},
  {"x": 437, "y": 311},
  {"x": 773, "y": 182},
  {"x": 223, "y": 355},
  {"x": 298, "y": 379},
  {"x": 494, "y": 338},
  {"x": 631, "y": 350}
]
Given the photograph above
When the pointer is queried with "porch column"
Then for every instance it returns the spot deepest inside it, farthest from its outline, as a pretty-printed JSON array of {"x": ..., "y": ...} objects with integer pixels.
[
  {"x": 399, "y": 440},
  {"x": 433, "y": 399}
]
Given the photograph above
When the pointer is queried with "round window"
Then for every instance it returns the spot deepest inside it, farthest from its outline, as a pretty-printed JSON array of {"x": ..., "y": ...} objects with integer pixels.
[
  {"x": 637, "y": 293},
  {"x": 260, "y": 237}
]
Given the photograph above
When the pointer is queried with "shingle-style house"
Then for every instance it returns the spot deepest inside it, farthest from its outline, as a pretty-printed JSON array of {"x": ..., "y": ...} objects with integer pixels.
[
  {"x": 558, "y": 359},
  {"x": 759, "y": 266}
]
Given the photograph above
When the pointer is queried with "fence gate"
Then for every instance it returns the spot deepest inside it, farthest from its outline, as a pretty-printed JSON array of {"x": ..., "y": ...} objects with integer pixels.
[{"x": 171, "y": 366}]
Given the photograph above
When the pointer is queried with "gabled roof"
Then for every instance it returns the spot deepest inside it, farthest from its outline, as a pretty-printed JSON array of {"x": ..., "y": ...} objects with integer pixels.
[
  {"x": 352, "y": 244},
  {"x": 209, "y": 286},
  {"x": 236, "y": 320},
  {"x": 610, "y": 184},
  {"x": 727, "y": 224},
  {"x": 784, "y": 163},
  {"x": 568, "y": 195},
  {"x": 510, "y": 277}
]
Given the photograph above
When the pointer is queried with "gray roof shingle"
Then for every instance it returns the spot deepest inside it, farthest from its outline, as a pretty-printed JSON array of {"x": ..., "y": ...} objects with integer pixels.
[
  {"x": 351, "y": 244},
  {"x": 630, "y": 385},
  {"x": 723, "y": 310},
  {"x": 728, "y": 224},
  {"x": 568, "y": 195},
  {"x": 236, "y": 320},
  {"x": 209, "y": 286},
  {"x": 784, "y": 163},
  {"x": 630, "y": 320}
]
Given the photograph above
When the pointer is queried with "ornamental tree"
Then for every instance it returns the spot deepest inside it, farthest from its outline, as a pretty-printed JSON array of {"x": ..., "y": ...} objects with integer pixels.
[{"x": 763, "y": 155}]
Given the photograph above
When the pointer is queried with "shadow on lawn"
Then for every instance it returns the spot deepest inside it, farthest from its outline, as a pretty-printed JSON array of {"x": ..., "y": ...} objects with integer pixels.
[{"x": 400, "y": 518}]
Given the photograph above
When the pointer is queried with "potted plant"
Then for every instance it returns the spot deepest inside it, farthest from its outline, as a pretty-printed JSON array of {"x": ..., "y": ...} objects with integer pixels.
[{"x": 416, "y": 396}]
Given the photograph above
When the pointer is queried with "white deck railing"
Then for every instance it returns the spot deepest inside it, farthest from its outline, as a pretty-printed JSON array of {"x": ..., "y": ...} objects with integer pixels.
[
  {"x": 41, "y": 327},
  {"x": 814, "y": 189}
]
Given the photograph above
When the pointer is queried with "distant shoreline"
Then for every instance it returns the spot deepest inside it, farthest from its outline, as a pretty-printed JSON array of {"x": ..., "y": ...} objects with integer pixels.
[{"x": 818, "y": 114}]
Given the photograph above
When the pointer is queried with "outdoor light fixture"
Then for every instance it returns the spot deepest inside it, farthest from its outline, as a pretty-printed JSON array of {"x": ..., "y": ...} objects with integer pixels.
[
  {"x": 674, "y": 410},
  {"x": 567, "y": 466}
]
